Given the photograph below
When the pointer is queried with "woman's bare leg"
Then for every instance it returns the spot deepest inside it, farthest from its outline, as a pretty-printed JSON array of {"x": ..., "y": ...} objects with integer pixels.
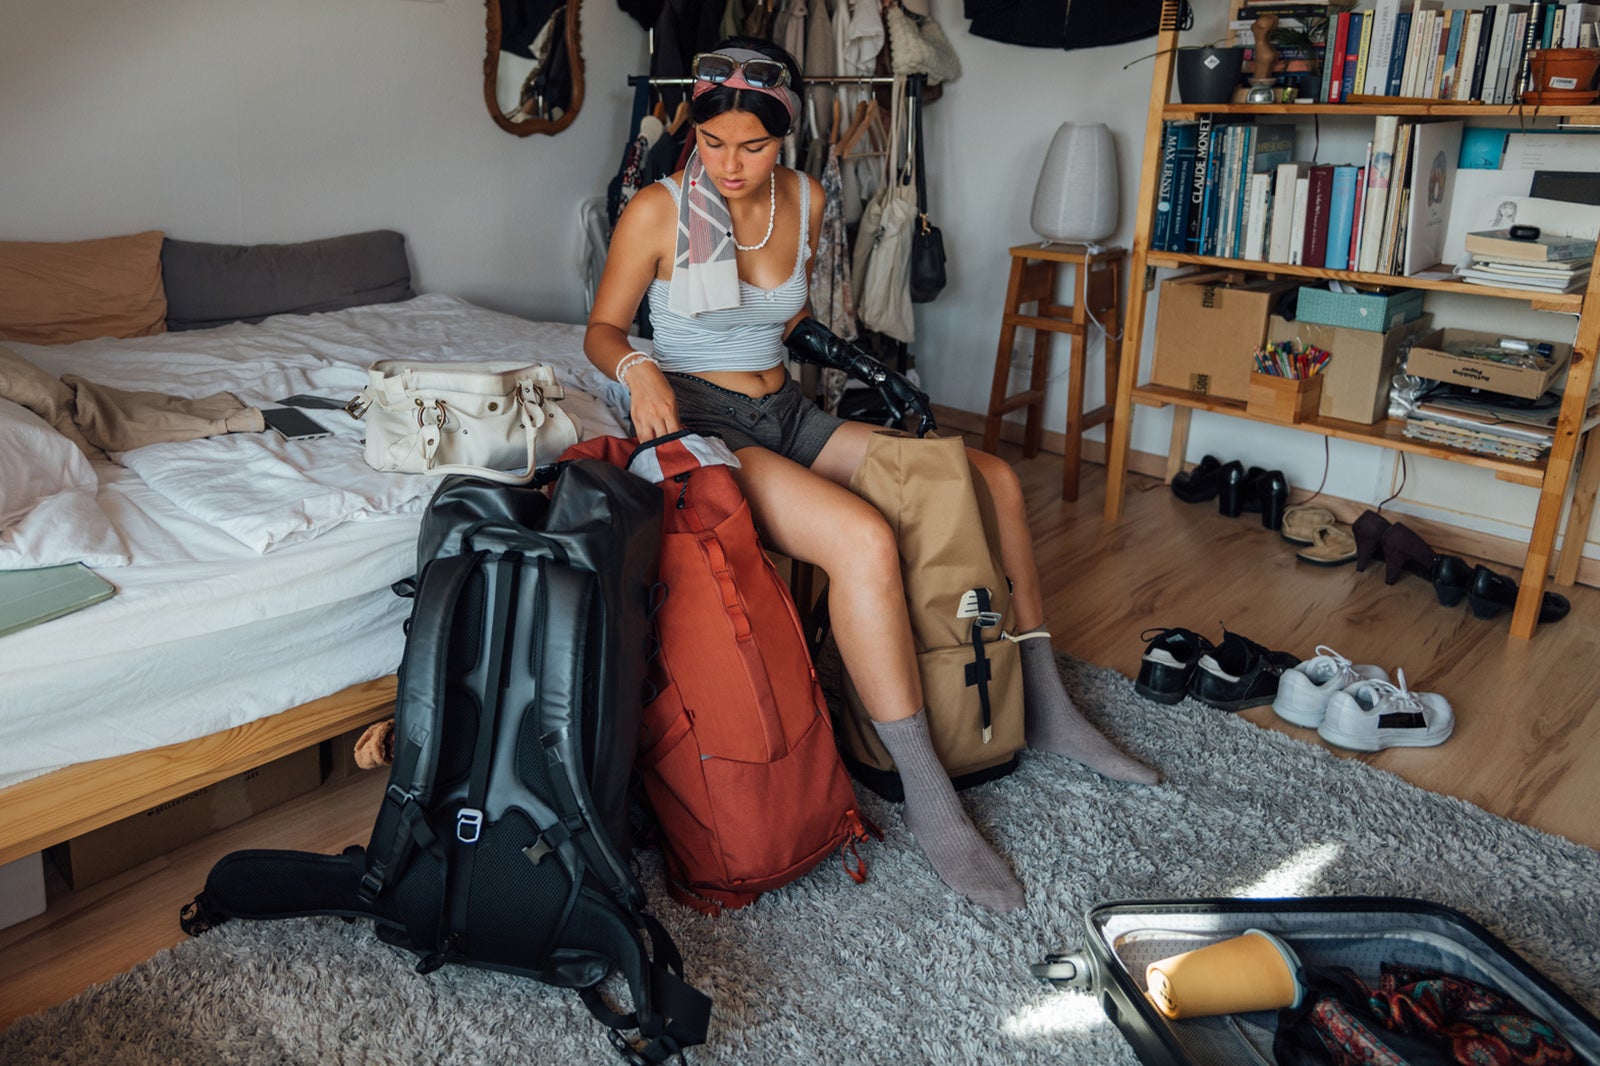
[
  {"x": 1053, "y": 723},
  {"x": 810, "y": 518}
]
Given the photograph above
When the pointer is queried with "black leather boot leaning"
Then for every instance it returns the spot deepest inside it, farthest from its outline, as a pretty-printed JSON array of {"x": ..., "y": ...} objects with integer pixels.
[
  {"x": 1404, "y": 549},
  {"x": 1201, "y": 483},
  {"x": 1368, "y": 530}
]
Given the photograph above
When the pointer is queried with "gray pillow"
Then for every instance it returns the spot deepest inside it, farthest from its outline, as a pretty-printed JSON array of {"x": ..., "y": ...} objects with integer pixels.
[{"x": 214, "y": 284}]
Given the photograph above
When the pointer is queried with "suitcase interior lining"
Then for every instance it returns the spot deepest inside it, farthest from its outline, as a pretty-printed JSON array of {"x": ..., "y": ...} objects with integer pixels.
[{"x": 1360, "y": 941}]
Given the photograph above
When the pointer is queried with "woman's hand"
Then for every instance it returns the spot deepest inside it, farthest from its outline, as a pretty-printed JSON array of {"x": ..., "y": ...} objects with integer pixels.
[{"x": 652, "y": 406}]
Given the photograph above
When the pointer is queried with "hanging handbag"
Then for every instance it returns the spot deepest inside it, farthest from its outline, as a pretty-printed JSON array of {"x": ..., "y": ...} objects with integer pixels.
[
  {"x": 927, "y": 243},
  {"x": 880, "y": 267},
  {"x": 918, "y": 45},
  {"x": 491, "y": 420}
]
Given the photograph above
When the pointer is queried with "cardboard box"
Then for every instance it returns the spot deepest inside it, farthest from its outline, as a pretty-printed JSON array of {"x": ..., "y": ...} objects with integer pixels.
[
  {"x": 1430, "y": 358},
  {"x": 1355, "y": 386},
  {"x": 339, "y": 756},
  {"x": 1286, "y": 400},
  {"x": 1208, "y": 327},
  {"x": 21, "y": 889},
  {"x": 97, "y": 855},
  {"x": 1370, "y": 311}
]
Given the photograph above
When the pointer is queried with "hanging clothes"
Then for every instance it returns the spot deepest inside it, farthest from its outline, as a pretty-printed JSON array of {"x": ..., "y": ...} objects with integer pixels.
[
  {"x": 832, "y": 302},
  {"x": 789, "y": 29},
  {"x": 858, "y": 36},
  {"x": 684, "y": 28},
  {"x": 820, "y": 61}
]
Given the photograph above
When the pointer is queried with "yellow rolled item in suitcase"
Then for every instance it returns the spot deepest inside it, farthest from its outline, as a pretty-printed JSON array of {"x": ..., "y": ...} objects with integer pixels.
[{"x": 1253, "y": 971}]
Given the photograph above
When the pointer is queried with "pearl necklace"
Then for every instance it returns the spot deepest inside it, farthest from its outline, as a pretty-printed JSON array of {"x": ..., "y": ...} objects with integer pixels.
[{"x": 772, "y": 214}]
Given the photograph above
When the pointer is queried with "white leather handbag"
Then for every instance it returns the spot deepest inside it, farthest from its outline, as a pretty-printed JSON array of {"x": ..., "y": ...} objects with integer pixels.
[{"x": 491, "y": 420}]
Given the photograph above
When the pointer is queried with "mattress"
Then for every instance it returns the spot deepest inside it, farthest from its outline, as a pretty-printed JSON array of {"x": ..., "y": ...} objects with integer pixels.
[{"x": 227, "y": 612}]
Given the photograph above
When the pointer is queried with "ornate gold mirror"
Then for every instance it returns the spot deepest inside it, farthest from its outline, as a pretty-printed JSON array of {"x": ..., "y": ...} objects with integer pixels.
[{"x": 533, "y": 72}]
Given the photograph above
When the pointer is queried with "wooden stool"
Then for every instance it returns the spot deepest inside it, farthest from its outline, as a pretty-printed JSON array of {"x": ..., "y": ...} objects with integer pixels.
[{"x": 1097, "y": 289}]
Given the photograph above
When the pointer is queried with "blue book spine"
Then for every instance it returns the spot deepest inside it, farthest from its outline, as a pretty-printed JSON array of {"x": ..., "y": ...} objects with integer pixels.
[
  {"x": 1161, "y": 232},
  {"x": 1188, "y": 134},
  {"x": 1197, "y": 184},
  {"x": 1341, "y": 217},
  {"x": 1352, "y": 54},
  {"x": 1241, "y": 191},
  {"x": 1397, "y": 58},
  {"x": 1214, "y": 167},
  {"x": 1452, "y": 55}
]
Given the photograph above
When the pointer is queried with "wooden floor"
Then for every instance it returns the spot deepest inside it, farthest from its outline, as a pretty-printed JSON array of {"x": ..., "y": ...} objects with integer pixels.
[{"x": 1527, "y": 741}]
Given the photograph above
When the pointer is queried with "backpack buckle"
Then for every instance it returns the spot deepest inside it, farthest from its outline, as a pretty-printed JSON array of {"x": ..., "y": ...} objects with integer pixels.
[
  {"x": 469, "y": 825},
  {"x": 987, "y": 619}
]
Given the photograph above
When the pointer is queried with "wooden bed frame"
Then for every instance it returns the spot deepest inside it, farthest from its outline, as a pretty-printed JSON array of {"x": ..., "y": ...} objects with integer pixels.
[{"x": 54, "y": 807}]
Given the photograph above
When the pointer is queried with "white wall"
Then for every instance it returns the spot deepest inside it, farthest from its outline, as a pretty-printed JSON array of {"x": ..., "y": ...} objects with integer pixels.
[
  {"x": 236, "y": 121},
  {"x": 287, "y": 120}
]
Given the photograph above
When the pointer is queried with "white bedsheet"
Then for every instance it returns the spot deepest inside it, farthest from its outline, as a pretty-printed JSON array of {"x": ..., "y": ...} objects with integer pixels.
[{"x": 205, "y": 633}]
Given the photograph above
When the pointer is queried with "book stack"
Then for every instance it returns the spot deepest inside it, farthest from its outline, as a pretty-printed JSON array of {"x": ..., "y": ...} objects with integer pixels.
[
  {"x": 1539, "y": 264},
  {"x": 1234, "y": 190},
  {"x": 1415, "y": 49},
  {"x": 1487, "y": 427}
]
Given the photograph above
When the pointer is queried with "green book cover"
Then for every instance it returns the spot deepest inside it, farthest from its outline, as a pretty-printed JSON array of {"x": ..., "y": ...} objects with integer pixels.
[{"x": 28, "y": 597}]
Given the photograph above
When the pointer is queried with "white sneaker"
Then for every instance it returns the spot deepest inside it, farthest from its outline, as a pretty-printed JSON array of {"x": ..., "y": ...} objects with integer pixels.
[
  {"x": 1304, "y": 691},
  {"x": 1373, "y": 715}
]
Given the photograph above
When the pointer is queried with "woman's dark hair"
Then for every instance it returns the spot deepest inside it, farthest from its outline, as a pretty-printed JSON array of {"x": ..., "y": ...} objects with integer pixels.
[{"x": 773, "y": 115}]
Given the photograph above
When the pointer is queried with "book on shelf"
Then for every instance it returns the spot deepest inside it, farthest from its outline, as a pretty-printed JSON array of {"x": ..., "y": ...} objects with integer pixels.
[
  {"x": 1467, "y": 59},
  {"x": 1283, "y": 213},
  {"x": 1563, "y": 270},
  {"x": 1257, "y": 213},
  {"x": 1467, "y": 439},
  {"x": 1452, "y": 55},
  {"x": 1166, "y": 184},
  {"x": 1499, "y": 244},
  {"x": 1341, "y": 215},
  {"x": 1297, "y": 223},
  {"x": 1474, "y": 274},
  {"x": 1197, "y": 184},
  {"x": 1384, "y": 130},
  {"x": 1397, "y": 55},
  {"x": 1352, "y": 53},
  {"x": 1436, "y": 147},
  {"x": 1358, "y": 227},
  {"x": 1319, "y": 195},
  {"x": 1384, "y": 15},
  {"x": 1578, "y": 16}
]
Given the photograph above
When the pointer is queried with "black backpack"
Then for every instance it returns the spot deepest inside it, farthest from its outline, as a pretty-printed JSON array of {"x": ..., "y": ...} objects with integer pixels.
[{"x": 501, "y": 840}]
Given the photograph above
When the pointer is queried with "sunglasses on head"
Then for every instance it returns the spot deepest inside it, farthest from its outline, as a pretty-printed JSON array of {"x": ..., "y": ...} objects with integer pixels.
[{"x": 718, "y": 68}]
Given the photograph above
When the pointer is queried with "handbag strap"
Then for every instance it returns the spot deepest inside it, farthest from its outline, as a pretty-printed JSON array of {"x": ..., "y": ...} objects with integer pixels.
[{"x": 921, "y": 169}]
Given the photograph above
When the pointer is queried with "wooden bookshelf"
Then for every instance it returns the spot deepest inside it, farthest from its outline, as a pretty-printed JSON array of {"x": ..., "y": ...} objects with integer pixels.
[
  {"x": 1569, "y": 302},
  {"x": 1552, "y": 477}
]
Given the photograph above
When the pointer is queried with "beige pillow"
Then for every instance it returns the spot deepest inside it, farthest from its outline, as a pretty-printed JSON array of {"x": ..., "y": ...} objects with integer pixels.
[{"x": 56, "y": 292}]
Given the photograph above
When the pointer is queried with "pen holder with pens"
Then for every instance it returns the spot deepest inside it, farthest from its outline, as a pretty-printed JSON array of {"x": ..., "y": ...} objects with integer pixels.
[{"x": 1286, "y": 383}]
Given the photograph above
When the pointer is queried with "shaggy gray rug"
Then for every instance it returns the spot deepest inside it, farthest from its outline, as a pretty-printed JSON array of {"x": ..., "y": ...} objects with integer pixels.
[{"x": 898, "y": 970}]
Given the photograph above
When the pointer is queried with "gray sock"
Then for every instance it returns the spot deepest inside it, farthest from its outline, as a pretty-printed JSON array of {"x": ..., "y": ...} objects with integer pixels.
[
  {"x": 959, "y": 854},
  {"x": 1054, "y": 724}
]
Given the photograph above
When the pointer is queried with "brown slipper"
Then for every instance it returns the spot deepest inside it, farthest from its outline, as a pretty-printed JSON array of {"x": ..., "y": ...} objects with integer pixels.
[
  {"x": 1302, "y": 520},
  {"x": 1331, "y": 545}
]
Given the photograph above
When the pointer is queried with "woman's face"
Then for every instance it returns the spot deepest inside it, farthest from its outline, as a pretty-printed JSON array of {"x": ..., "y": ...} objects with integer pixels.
[{"x": 738, "y": 152}]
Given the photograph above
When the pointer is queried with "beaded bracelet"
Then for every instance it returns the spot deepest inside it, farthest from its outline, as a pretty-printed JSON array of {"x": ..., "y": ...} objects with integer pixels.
[{"x": 631, "y": 360}]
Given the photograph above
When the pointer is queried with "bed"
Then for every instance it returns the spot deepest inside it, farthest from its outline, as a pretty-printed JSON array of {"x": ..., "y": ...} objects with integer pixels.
[{"x": 253, "y": 615}]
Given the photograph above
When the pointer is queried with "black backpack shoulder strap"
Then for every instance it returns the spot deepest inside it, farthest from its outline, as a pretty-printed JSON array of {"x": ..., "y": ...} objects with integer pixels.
[
  {"x": 669, "y": 1013},
  {"x": 419, "y": 716}
]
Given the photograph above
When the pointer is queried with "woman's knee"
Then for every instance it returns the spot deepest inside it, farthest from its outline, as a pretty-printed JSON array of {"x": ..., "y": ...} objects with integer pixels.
[
  {"x": 864, "y": 544},
  {"x": 999, "y": 477}
]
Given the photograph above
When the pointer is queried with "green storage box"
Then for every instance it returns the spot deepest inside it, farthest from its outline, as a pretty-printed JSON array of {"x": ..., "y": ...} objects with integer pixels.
[{"x": 1371, "y": 311}]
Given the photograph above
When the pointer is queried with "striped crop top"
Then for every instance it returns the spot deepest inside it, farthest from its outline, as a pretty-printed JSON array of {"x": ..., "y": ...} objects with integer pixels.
[{"x": 747, "y": 337}]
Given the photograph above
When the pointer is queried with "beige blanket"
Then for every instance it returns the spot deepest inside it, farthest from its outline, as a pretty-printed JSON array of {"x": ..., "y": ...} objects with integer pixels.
[{"x": 98, "y": 418}]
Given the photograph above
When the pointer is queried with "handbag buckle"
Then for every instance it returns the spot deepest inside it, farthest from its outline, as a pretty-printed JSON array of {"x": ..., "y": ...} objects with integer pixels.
[
  {"x": 357, "y": 406},
  {"x": 437, "y": 408}
]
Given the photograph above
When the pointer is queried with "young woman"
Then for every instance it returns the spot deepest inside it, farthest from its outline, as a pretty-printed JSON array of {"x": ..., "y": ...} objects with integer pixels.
[{"x": 721, "y": 252}]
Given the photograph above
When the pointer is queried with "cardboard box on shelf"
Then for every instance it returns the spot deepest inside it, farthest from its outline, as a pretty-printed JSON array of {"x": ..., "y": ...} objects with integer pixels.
[
  {"x": 1208, "y": 327},
  {"x": 99, "y": 854},
  {"x": 21, "y": 889},
  {"x": 1355, "y": 385},
  {"x": 1431, "y": 358}
]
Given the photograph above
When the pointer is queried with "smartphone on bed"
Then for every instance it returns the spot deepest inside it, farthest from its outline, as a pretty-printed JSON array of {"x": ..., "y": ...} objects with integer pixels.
[{"x": 294, "y": 425}]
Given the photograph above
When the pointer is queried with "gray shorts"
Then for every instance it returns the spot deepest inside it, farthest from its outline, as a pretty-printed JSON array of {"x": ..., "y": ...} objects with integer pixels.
[{"x": 785, "y": 421}]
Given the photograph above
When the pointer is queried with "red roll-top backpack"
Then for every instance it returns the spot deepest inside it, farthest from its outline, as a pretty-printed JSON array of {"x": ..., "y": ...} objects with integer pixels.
[{"x": 736, "y": 751}]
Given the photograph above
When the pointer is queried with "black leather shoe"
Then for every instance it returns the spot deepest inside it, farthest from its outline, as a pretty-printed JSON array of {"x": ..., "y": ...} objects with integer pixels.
[
  {"x": 1230, "y": 489},
  {"x": 1170, "y": 658},
  {"x": 1272, "y": 496},
  {"x": 1490, "y": 593},
  {"x": 1450, "y": 575},
  {"x": 1201, "y": 483},
  {"x": 1239, "y": 673}
]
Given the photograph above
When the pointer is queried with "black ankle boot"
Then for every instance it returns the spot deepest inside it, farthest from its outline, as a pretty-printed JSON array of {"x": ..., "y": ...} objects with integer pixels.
[{"x": 1272, "y": 492}]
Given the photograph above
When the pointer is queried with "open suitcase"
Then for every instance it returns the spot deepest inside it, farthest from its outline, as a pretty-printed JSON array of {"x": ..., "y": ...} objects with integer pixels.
[{"x": 1358, "y": 932}]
